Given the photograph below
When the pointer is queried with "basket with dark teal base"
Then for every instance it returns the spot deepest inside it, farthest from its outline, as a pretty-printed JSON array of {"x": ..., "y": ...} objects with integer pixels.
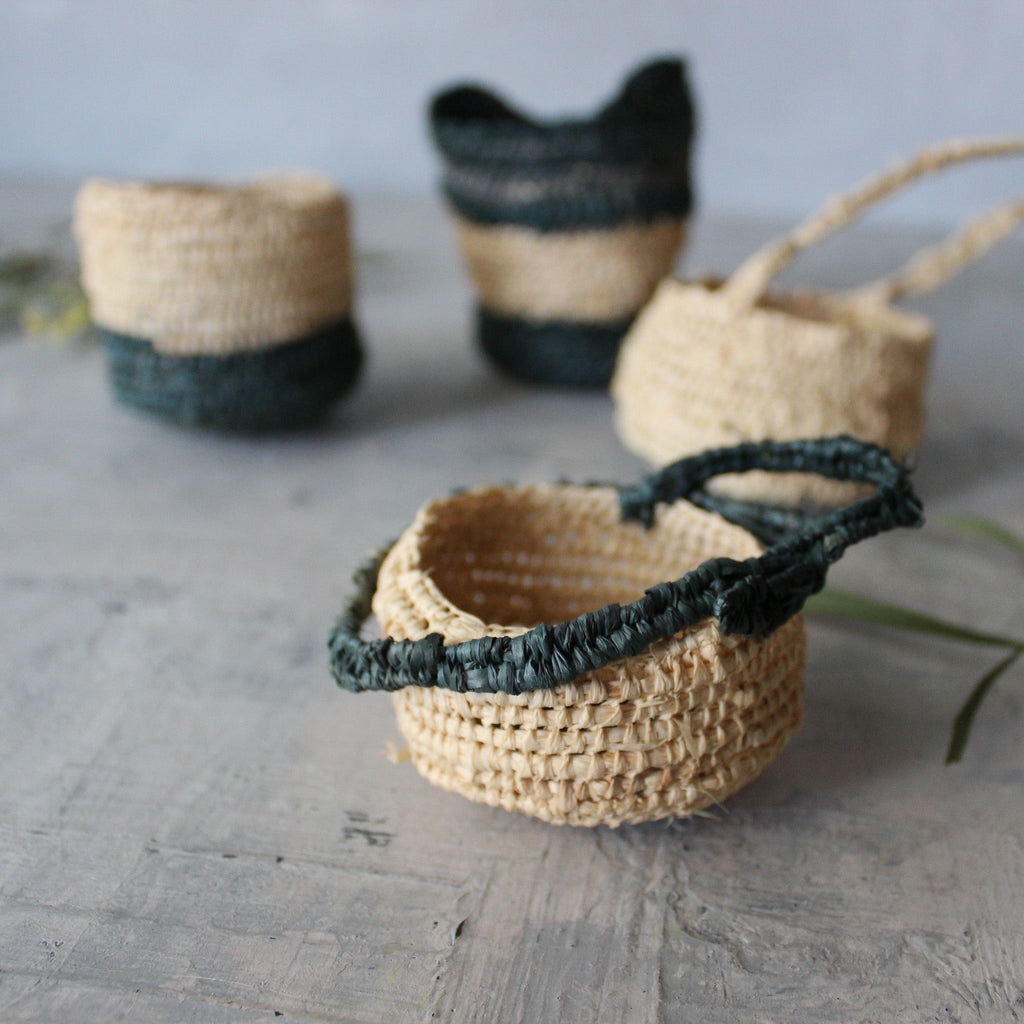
[{"x": 222, "y": 306}]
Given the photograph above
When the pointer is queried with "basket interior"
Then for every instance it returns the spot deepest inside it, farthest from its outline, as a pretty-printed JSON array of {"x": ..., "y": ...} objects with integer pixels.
[
  {"x": 838, "y": 307},
  {"x": 525, "y": 555}
]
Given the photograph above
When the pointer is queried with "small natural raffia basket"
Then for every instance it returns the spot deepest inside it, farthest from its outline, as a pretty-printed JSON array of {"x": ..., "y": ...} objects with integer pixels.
[
  {"x": 567, "y": 225},
  {"x": 222, "y": 305},
  {"x": 642, "y": 701},
  {"x": 713, "y": 363}
]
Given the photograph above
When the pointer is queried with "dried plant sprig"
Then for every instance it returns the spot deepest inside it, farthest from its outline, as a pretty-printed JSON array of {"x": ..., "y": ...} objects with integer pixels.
[{"x": 40, "y": 294}]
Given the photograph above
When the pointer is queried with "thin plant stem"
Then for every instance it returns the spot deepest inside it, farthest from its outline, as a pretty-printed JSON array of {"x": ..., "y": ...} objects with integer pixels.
[
  {"x": 841, "y": 603},
  {"x": 985, "y": 529},
  {"x": 965, "y": 716},
  {"x": 844, "y": 604}
]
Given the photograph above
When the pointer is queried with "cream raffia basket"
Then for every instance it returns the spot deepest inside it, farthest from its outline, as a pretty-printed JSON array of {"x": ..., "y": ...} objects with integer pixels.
[
  {"x": 708, "y": 364},
  {"x": 537, "y": 666},
  {"x": 222, "y": 305}
]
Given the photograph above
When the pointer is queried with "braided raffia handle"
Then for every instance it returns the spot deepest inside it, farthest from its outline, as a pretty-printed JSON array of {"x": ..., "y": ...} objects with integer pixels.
[
  {"x": 747, "y": 598},
  {"x": 751, "y": 280},
  {"x": 934, "y": 266}
]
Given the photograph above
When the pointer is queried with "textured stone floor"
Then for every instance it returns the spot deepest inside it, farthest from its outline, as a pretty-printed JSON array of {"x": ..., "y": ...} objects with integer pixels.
[{"x": 195, "y": 825}]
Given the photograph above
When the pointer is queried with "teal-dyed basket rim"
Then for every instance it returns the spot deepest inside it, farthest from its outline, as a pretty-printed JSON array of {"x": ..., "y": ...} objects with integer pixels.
[
  {"x": 747, "y": 597},
  {"x": 652, "y": 117},
  {"x": 627, "y": 163}
]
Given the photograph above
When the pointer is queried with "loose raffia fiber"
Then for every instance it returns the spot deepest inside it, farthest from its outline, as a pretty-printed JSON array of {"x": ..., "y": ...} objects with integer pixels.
[
  {"x": 222, "y": 306},
  {"x": 712, "y": 363},
  {"x": 535, "y": 667},
  {"x": 566, "y": 226}
]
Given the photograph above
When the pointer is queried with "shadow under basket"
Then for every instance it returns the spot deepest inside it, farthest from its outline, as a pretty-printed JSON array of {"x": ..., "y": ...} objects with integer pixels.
[{"x": 641, "y": 701}]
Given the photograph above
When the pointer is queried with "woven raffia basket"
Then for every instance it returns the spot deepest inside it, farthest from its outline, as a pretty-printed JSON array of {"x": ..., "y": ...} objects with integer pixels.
[
  {"x": 222, "y": 306},
  {"x": 566, "y": 226},
  {"x": 537, "y": 666},
  {"x": 710, "y": 364}
]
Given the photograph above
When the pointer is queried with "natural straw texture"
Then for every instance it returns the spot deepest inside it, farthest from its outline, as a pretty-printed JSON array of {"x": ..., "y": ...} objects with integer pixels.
[
  {"x": 709, "y": 363},
  {"x": 642, "y": 700},
  {"x": 208, "y": 270},
  {"x": 244, "y": 291},
  {"x": 595, "y": 276},
  {"x": 566, "y": 226},
  {"x": 691, "y": 374}
]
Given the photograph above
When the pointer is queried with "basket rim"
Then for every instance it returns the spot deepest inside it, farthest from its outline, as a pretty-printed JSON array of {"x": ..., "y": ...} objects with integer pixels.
[
  {"x": 284, "y": 190},
  {"x": 747, "y": 597},
  {"x": 428, "y": 524},
  {"x": 473, "y": 122}
]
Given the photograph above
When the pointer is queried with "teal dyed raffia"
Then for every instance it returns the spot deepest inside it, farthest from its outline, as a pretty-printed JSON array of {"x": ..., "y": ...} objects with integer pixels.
[
  {"x": 628, "y": 162},
  {"x": 567, "y": 225},
  {"x": 553, "y": 350},
  {"x": 749, "y": 597},
  {"x": 285, "y": 387}
]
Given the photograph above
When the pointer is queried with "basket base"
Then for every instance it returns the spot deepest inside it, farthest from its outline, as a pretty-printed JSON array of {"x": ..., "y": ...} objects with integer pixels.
[
  {"x": 557, "y": 352},
  {"x": 286, "y": 387}
]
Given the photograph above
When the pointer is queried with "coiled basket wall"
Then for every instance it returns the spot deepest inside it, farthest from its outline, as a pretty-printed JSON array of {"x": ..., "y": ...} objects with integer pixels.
[
  {"x": 711, "y": 363},
  {"x": 225, "y": 306}
]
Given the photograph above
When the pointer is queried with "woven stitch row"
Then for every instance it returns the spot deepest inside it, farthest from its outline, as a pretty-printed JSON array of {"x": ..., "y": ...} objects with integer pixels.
[
  {"x": 284, "y": 387},
  {"x": 560, "y": 352},
  {"x": 591, "y": 276},
  {"x": 205, "y": 270},
  {"x": 627, "y": 162}
]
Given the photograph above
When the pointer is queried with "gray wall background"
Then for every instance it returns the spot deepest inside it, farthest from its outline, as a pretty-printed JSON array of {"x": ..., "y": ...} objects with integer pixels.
[{"x": 798, "y": 99}]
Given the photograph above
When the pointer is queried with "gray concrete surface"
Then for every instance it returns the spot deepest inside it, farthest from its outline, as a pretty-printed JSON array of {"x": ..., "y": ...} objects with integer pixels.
[{"x": 196, "y": 826}]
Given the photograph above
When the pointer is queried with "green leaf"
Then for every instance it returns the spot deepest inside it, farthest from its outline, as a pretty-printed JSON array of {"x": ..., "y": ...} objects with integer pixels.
[
  {"x": 839, "y": 603},
  {"x": 965, "y": 717},
  {"x": 985, "y": 529},
  {"x": 843, "y": 604}
]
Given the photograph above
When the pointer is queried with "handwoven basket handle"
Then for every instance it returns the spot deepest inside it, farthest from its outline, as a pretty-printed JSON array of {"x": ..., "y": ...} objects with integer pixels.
[
  {"x": 932, "y": 267},
  {"x": 747, "y": 598},
  {"x": 751, "y": 280}
]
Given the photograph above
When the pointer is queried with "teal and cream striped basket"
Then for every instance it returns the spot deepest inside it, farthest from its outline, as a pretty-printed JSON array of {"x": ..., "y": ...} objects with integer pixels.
[{"x": 567, "y": 225}]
